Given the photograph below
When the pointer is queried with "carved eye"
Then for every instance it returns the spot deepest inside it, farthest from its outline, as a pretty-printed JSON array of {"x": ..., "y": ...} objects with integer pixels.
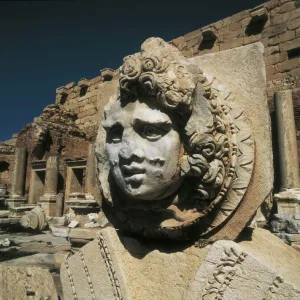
[
  {"x": 152, "y": 133},
  {"x": 115, "y": 134}
]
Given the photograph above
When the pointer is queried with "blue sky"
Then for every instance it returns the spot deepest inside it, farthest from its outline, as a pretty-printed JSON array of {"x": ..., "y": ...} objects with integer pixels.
[{"x": 47, "y": 44}]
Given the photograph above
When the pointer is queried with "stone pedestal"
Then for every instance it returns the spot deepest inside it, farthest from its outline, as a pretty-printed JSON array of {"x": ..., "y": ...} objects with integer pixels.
[
  {"x": 48, "y": 200},
  {"x": 82, "y": 207},
  {"x": 90, "y": 173},
  {"x": 17, "y": 197},
  {"x": 288, "y": 200}
]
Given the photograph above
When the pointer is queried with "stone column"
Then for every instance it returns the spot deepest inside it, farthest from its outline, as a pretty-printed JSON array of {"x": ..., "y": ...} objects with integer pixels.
[
  {"x": 90, "y": 173},
  {"x": 17, "y": 197},
  {"x": 48, "y": 200},
  {"x": 289, "y": 197}
]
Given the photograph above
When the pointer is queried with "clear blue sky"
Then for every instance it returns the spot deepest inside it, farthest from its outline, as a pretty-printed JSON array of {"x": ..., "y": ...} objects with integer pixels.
[{"x": 47, "y": 44}]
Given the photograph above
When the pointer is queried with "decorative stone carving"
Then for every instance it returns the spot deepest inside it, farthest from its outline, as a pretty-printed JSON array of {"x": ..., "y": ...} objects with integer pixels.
[
  {"x": 175, "y": 154},
  {"x": 35, "y": 219}
]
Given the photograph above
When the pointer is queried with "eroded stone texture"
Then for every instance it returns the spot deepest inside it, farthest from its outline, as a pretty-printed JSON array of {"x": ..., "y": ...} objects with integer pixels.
[
  {"x": 242, "y": 71},
  {"x": 140, "y": 270},
  {"x": 26, "y": 283}
]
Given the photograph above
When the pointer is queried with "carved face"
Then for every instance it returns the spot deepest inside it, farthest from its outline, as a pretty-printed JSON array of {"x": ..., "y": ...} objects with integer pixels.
[{"x": 143, "y": 149}]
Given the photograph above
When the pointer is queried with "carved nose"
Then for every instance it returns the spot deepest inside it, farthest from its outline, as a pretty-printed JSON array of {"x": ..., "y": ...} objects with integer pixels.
[{"x": 132, "y": 154}]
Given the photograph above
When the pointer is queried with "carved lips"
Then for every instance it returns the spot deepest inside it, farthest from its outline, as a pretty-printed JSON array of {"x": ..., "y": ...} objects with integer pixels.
[{"x": 133, "y": 173}]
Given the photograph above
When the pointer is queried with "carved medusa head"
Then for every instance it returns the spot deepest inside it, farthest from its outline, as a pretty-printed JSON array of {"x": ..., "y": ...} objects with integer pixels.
[{"x": 167, "y": 148}]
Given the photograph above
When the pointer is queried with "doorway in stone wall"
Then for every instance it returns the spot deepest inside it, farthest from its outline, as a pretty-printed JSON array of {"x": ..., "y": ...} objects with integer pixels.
[{"x": 37, "y": 181}]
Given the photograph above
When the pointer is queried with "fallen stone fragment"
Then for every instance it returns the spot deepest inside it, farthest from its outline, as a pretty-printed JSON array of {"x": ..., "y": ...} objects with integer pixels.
[
  {"x": 73, "y": 224},
  {"x": 34, "y": 219},
  {"x": 60, "y": 231},
  {"x": 26, "y": 283},
  {"x": 4, "y": 243}
]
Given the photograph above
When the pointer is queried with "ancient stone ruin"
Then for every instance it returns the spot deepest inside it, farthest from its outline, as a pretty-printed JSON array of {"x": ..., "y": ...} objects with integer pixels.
[{"x": 174, "y": 177}]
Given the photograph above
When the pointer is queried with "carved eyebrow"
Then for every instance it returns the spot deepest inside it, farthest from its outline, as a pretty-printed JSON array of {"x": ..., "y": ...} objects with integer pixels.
[
  {"x": 159, "y": 122},
  {"x": 107, "y": 124}
]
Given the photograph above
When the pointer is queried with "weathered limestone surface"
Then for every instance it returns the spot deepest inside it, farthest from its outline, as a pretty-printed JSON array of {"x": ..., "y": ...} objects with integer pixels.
[
  {"x": 48, "y": 200},
  {"x": 140, "y": 270},
  {"x": 242, "y": 71},
  {"x": 287, "y": 142},
  {"x": 18, "y": 183},
  {"x": 26, "y": 283}
]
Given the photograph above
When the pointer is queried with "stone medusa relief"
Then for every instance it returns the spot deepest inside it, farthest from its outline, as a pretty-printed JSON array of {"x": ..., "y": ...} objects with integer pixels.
[{"x": 174, "y": 151}]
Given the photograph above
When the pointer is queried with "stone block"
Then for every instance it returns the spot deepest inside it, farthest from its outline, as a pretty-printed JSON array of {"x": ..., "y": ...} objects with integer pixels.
[
  {"x": 270, "y": 70},
  {"x": 192, "y": 35},
  {"x": 276, "y": 76},
  {"x": 285, "y": 17},
  {"x": 283, "y": 37},
  {"x": 290, "y": 45},
  {"x": 251, "y": 39},
  {"x": 294, "y": 72},
  {"x": 235, "y": 26},
  {"x": 233, "y": 44},
  {"x": 26, "y": 283},
  {"x": 271, "y": 50},
  {"x": 297, "y": 32},
  {"x": 275, "y": 58},
  {"x": 247, "y": 65},
  {"x": 288, "y": 65},
  {"x": 293, "y": 24},
  {"x": 288, "y": 6},
  {"x": 250, "y": 269},
  {"x": 275, "y": 30}
]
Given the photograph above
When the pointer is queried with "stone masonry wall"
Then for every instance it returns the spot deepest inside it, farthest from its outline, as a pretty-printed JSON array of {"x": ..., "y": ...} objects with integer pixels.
[
  {"x": 276, "y": 24},
  {"x": 87, "y": 99}
]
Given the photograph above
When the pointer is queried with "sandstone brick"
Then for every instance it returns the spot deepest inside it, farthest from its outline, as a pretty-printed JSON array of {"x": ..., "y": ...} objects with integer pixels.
[
  {"x": 88, "y": 106},
  {"x": 223, "y": 31},
  {"x": 270, "y": 70},
  {"x": 288, "y": 65},
  {"x": 275, "y": 11},
  {"x": 192, "y": 35},
  {"x": 271, "y": 50},
  {"x": 218, "y": 24},
  {"x": 251, "y": 39},
  {"x": 290, "y": 45},
  {"x": 91, "y": 112},
  {"x": 235, "y": 26},
  {"x": 193, "y": 42},
  {"x": 179, "y": 42},
  {"x": 288, "y": 16},
  {"x": 294, "y": 72},
  {"x": 271, "y": 4},
  {"x": 240, "y": 16},
  {"x": 286, "y": 36},
  {"x": 245, "y": 21},
  {"x": 294, "y": 24},
  {"x": 231, "y": 36},
  {"x": 276, "y": 58},
  {"x": 235, "y": 43},
  {"x": 227, "y": 21},
  {"x": 297, "y": 32},
  {"x": 70, "y": 85},
  {"x": 276, "y": 76},
  {"x": 288, "y": 6},
  {"x": 275, "y": 30}
]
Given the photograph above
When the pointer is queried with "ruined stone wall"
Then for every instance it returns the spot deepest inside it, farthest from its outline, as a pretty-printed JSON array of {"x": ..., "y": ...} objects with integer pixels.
[
  {"x": 87, "y": 99},
  {"x": 6, "y": 168},
  {"x": 276, "y": 24}
]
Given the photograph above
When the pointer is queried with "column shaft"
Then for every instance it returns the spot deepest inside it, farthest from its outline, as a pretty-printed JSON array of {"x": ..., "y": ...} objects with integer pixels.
[
  {"x": 289, "y": 169},
  {"x": 18, "y": 182}
]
